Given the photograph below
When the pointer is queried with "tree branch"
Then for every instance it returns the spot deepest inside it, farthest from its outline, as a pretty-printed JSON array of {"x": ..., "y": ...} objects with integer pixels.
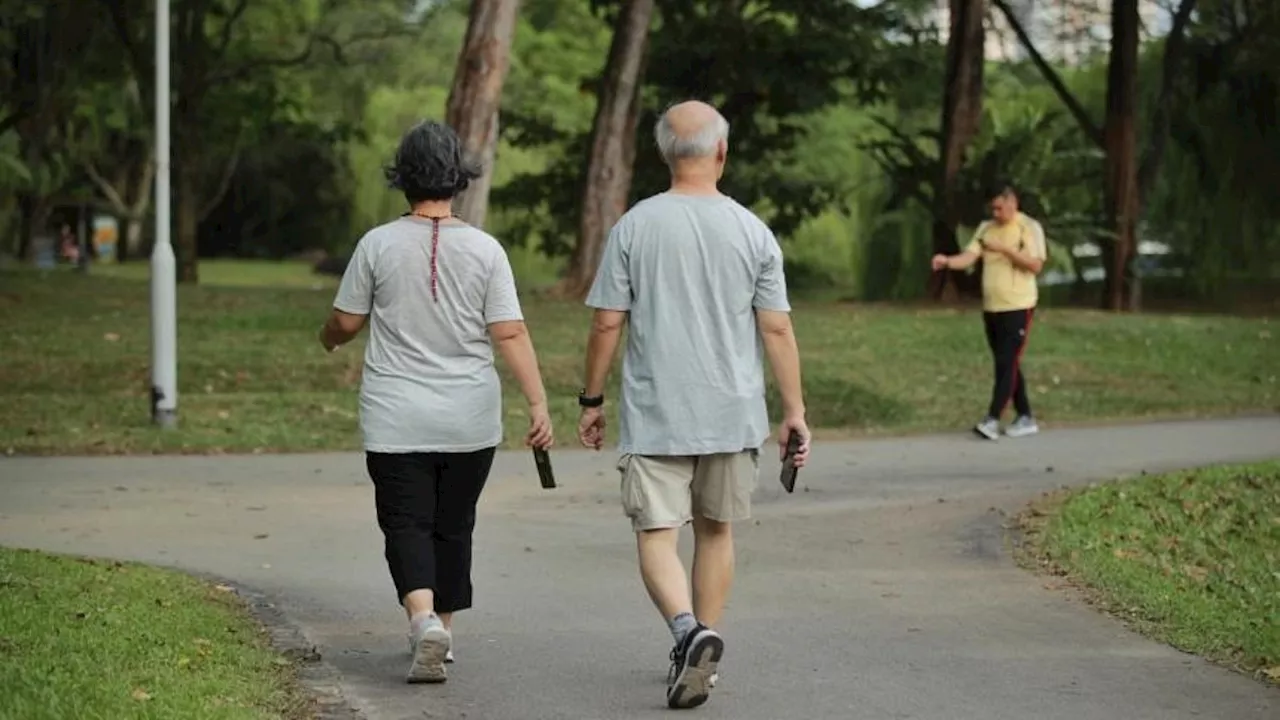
[
  {"x": 224, "y": 184},
  {"x": 120, "y": 21},
  {"x": 1175, "y": 45},
  {"x": 107, "y": 189},
  {"x": 224, "y": 37},
  {"x": 139, "y": 208},
  {"x": 1091, "y": 129}
]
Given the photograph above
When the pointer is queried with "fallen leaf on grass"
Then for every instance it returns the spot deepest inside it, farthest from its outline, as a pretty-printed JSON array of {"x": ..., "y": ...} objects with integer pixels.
[
  {"x": 1195, "y": 572},
  {"x": 1272, "y": 673},
  {"x": 111, "y": 337},
  {"x": 1124, "y": 553},
  {"x": 141, "y": 695},
  {"x": 224, "y": 588}
]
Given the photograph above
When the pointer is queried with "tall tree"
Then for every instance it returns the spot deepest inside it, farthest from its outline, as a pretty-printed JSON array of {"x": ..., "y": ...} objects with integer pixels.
[
  {"x": 961, "y": 117},
  {"x": 476, "y": 96},
  {"x": 228, "y": 83},
  {"x": 613, "y": 143},
  {"x": 767, "y": 65},
  {"x": 1120, "y": 137},
  {"x": 44, "y": 46},
  {"x": 117, "y": 153},
  {"x": 1125, "y": 185}
]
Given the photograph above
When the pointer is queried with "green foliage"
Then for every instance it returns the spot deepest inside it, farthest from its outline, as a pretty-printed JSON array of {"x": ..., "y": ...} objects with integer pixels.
[
  {"x": 767, "y": 65},
  {"x": 833, "y": 106}
]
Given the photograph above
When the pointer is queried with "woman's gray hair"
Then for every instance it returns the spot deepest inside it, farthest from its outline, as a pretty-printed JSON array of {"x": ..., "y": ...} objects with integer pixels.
[
  {"x": 703, "y": 143},
  {"x": 430, "y": 164}
]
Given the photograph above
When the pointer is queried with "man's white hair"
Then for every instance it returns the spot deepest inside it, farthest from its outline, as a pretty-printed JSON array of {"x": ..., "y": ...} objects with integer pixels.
[{"x": 674, "y": 147}]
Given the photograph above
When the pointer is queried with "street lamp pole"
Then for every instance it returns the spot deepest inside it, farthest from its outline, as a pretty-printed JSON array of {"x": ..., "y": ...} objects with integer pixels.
[{"x": 164, "y": 312}]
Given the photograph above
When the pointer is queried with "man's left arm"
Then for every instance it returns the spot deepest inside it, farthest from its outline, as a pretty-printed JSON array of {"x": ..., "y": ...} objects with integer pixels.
[
  {"x": 1031, "y": 257},
  {"x": 602, "y": 345},
  {"x": 610, "y": 295},
  {"x": 353, "y": 303}
]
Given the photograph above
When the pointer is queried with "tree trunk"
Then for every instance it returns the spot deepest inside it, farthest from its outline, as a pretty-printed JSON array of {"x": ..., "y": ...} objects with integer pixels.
[
  {"x": 1119, "y": 132},
  {"x": 131, "y": 248},
  {"x": 613, "y": 142},
  {"x": 476, "y": 96},
  {"x": 961, "y": 117},
  {"x": 185, "y": 240}
]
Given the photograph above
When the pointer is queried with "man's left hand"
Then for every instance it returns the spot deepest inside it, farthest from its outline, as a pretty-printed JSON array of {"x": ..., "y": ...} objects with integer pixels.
[{"x": 591, "y": 428}]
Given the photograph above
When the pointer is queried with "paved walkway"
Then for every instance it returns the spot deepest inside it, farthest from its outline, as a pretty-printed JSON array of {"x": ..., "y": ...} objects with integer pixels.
[{"x": 880, "y": 590}]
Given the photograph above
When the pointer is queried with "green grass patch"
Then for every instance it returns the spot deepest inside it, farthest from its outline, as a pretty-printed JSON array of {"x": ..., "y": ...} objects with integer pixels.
[
  {"x": 228, "y": 273},
  {"x": 1191, "y": 558},
  {"x": 76, "y": 377},
  {"x": 92, "y": 639}
]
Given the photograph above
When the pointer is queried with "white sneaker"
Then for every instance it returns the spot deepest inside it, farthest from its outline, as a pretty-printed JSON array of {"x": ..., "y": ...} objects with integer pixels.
[
  {"x": 448, "y": 657},
  {"x": 989, "y": 428},
  {"x": 430, "y": 652},
  {"x": 1023, "y": 426}
]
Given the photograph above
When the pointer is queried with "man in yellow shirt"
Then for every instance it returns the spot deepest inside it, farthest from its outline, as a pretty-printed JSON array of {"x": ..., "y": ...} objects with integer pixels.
[{"x": 1012, "y": 248}]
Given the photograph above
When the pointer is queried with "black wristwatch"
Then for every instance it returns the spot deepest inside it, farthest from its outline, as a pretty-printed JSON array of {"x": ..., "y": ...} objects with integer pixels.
[{"x": 589, "y": 402}]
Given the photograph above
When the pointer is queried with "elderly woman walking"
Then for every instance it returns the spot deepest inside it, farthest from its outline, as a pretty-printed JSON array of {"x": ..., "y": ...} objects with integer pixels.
[{"x": 438, "y": 296}]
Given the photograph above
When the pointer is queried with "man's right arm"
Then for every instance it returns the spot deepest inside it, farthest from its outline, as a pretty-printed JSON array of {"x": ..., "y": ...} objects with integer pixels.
[
  {"x": 966, "y": 258},
  {"x": 963, "y": 261}
]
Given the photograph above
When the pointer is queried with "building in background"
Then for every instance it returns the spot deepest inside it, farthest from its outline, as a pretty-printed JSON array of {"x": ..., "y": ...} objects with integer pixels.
[{"x": 1063, "y": 31}]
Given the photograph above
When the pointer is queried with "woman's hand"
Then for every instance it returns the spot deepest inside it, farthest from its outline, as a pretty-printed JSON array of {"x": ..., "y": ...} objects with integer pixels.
[{"x": 540, "y": 435}]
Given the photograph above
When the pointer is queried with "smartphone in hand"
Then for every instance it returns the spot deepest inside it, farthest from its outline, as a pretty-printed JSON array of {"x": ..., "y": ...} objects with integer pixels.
[
  {"x": 789, "y": 469},
  {"x": 542, "y": 459}
]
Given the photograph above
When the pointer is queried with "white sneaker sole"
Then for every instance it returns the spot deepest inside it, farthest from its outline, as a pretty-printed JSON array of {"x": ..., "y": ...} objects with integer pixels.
[
  {"x": 693, "y": 685},
  {"x": 1021, "y": 432},
  {"x": 429, "y": 657},
  {"x": 986, "y": 434}
]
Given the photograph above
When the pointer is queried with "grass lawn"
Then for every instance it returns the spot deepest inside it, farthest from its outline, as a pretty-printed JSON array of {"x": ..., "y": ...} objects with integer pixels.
[
  {"x": 75, "y": 376},
  {"x": 1192, "y": 558},
  {"x": 103, "y": 640}
]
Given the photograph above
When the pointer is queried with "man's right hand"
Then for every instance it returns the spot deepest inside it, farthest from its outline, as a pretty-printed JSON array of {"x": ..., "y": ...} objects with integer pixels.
[
  {"x": 939, "y": 262},
  {"x": 794, "y": 425}
]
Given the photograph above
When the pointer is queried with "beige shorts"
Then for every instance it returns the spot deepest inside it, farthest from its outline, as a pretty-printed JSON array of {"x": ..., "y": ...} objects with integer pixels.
[{"x": 660, "y": 491}]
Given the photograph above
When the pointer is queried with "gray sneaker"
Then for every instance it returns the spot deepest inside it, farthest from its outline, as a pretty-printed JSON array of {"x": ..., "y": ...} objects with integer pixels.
[
  {"x": 430, "y": 652},
  {"x": 989, "y": 428},
  {"x": 1023, "y": 426}
]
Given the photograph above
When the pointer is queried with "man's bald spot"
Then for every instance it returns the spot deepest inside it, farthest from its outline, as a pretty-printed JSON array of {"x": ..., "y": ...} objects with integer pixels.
[
  {"x": 690, "y": 129},
  {"x": 688, "y": 118}
]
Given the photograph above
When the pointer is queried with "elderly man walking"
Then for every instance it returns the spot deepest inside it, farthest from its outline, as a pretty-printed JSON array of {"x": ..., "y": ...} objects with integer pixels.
[{"x": 699, "y": 280}]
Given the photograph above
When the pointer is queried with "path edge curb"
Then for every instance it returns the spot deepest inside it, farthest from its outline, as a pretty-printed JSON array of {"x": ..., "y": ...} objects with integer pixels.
[{"x": 320, "y": 680}]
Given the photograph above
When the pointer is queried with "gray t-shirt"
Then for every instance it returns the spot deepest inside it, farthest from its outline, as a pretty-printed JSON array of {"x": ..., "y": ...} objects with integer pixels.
[
  {"x": 691, "y": 271},
  {"x": 429, "y": 383}
]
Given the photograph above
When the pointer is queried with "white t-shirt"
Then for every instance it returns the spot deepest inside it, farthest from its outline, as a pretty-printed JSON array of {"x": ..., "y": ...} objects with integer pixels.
[{"x": 429, "y": 383}]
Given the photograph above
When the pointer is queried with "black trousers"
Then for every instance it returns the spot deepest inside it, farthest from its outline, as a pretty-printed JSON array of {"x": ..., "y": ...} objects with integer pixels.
[
  {"x": 426, "y": 504},
  {"x": 1007, "y": 334}
]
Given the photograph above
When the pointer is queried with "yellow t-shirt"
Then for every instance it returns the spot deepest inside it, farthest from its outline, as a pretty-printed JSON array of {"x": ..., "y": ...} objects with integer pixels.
[{"x": 1005, "y": 286}]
